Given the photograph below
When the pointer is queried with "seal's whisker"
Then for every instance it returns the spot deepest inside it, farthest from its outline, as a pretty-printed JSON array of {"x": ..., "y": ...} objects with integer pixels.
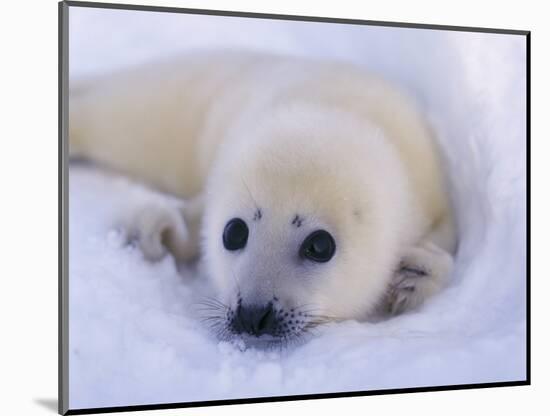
[
  {"x": 236, "y": 281},
  {"x": 212, "y": 301},
  {"x": 249, "y": 193},
  {"x": 223, "y": 334},
  {"x": 212, "y": 305},
  {"x": 306, "y": 305},
  {"x": 212, "y": 319},
  {"x": 209, "y": 308},
  {"x": 210, "y": 312}
]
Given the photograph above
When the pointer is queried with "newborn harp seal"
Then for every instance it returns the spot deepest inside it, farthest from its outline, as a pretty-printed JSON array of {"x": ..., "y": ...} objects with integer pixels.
[{"x": 312, "y": 190}]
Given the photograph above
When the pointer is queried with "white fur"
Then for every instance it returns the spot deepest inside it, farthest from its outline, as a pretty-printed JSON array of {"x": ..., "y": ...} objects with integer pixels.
[{"x": 235, "y": 132}]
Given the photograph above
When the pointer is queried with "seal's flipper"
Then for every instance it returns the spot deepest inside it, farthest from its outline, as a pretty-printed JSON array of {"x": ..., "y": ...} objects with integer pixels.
[
  {"x": 422, "y": 272},
  {"x": 159, "y": 227}
]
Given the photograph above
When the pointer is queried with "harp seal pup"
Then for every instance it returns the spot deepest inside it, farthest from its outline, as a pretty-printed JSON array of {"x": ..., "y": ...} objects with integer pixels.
[{"x": 312, "y": 190}]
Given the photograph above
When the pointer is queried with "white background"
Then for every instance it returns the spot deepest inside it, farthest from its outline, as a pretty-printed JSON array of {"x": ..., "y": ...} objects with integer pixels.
[{"x": 28, "y": 220}]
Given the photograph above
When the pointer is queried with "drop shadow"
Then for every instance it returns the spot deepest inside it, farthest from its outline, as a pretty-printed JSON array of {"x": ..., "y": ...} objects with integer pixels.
[{"x": 49, "y": 404}]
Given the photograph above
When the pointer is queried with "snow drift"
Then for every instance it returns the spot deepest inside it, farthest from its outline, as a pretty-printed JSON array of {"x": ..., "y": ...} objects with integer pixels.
[{"x": 133, "y": 338}]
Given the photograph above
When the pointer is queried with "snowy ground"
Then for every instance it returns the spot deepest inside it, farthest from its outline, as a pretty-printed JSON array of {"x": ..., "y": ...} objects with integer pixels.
[{"x": 133, "y": 337}]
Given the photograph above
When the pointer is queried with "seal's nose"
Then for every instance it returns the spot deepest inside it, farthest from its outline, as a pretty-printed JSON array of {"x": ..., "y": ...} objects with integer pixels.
[{"x": 255, "y": 320}]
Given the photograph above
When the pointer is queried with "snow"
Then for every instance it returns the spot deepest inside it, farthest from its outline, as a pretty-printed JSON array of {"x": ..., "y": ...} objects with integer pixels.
[{"x": 134, "y": 338}]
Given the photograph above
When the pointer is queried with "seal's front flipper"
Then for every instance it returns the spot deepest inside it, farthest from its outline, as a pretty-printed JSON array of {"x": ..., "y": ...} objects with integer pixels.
[
  {"x": 159, "y": 226},
  {"x": 422, "y": 272}
]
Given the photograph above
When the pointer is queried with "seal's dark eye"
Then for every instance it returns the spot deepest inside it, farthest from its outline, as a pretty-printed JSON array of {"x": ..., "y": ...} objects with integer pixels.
[
  {"x": 235, "y": 234},
  {"x": 319, "y": 246}
]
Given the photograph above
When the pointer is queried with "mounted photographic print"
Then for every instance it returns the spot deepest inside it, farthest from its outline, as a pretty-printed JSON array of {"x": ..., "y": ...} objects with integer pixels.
[{"x": 266, "y": 207}]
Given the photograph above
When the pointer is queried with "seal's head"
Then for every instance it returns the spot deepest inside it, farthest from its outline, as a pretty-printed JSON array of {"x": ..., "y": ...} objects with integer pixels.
[{"x": 300, "y": 225}]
